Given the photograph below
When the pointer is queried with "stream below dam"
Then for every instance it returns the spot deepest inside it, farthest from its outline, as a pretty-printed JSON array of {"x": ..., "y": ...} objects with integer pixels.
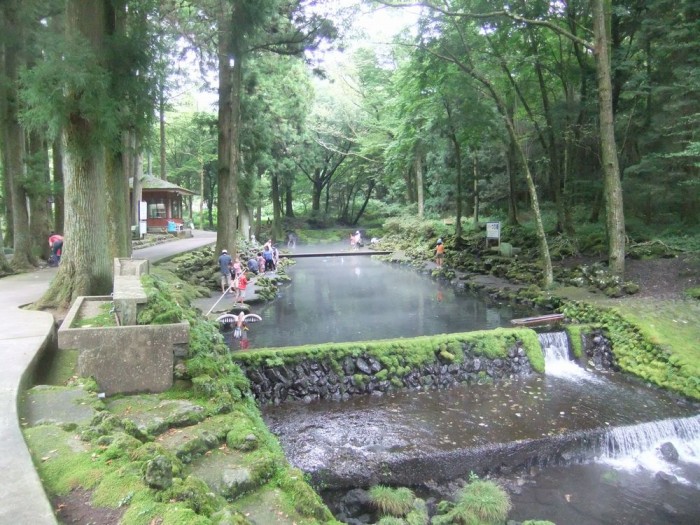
[{"x": 575, "y": 445}]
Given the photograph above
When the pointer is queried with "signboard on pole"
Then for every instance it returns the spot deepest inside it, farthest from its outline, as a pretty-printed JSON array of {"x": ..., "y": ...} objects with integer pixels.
[
  {"x": 143, "y": 216},
  {"x": 493, "y": 230}
]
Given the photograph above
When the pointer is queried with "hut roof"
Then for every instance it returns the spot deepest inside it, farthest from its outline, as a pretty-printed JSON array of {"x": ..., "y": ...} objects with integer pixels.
[{"x": 148, "y": 182}]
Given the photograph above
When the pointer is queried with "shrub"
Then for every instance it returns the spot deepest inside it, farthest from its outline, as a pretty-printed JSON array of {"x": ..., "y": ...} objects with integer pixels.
[
  {"x": 394, "y": 502},
  {"x": 480, "y": 502}
]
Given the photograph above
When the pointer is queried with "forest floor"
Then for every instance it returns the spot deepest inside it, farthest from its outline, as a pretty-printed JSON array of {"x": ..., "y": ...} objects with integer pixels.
[{"x": 660, "y": 279}]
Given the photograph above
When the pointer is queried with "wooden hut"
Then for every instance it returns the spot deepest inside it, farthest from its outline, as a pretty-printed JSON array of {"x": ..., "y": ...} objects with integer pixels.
[{"x": 163, "y": 203}]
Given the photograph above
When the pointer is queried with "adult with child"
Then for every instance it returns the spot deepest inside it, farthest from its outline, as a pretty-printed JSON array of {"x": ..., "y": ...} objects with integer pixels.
[{"x": 225, "y": 262}]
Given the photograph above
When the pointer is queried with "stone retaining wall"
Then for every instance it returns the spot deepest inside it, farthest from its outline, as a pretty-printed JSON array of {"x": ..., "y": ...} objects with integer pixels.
[
  {"x": 598, "y": 350},
  {"x": 323, "y": 376},
  {"x": 320, "y": 378}
]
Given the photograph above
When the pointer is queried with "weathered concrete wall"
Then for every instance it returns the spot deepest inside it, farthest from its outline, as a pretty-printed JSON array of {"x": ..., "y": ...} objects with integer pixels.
[
  {"x": 128, "y": 292},
  {"x": 138, "y": 267},
  {"x": 125, "y": 359},
  {"x": 131, "y": 359}
]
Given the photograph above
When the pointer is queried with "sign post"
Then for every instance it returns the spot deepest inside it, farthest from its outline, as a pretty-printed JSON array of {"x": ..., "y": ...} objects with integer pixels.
[
  {"x": 143, "y": 216},
  {"x": 493, "y": 231}
]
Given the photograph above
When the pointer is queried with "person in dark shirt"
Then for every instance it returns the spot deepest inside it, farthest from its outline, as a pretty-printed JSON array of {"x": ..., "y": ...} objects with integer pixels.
[{"x": 224, "y": 262}]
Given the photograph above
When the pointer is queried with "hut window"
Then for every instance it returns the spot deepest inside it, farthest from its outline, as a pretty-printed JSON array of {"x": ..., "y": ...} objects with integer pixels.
[
  {"x": 176, "y": 205},
  {"x": 156, "y": 209}
]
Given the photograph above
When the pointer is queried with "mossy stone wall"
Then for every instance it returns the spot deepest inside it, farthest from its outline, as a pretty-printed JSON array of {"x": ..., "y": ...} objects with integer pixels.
[{"x": 339, "y": 371}]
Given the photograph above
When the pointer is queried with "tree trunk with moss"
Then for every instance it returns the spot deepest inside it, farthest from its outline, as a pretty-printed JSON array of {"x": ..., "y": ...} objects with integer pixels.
[
  {"x": 5, "y": 268},
  {"x": 611, "y": 168},
  {"x": 58, "y": 201},
  {"x": 13, "y": 137},
  {"x": 86, "y": 264},
  {"x": 38, "y": 189},
  {"x": 230, "y": 82}
]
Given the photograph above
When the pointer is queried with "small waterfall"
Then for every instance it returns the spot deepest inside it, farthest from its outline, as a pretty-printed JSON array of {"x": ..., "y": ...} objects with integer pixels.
[
  {"x": 637, "y": 446},
  {"x": 557, "y": 362},
  {"x": 555, "y": 346}
]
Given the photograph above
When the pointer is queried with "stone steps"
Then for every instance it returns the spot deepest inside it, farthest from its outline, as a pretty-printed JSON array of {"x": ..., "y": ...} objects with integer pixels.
[{"x": 221, "y": 450}]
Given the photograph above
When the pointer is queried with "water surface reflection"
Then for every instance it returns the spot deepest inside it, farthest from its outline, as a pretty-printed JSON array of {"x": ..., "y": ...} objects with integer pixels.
[{"x": 337, "y": 299}]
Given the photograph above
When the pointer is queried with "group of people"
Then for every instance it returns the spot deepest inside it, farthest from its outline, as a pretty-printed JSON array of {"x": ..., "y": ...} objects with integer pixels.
[
  {"x": 233, "y": 278},
  {"x": 233, "y": 273}
]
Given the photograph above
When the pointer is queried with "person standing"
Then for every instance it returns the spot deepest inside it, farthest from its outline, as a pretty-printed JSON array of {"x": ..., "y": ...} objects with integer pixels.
[
  {"x": 269, "y": 262},
  {"x": 275, "y": 256},
  {"x": 241, "y": 285},
  {"x": 238, "y": 265},
  {"x": 224, "y": 262},
  {"x": 439, "y": 253}
]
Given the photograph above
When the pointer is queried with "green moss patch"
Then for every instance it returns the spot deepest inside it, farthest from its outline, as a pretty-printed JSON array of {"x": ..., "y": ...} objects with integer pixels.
[
  {"x": 401, "y": 355},
  {"x": 62, "y": 460},
  {"x": 655, "y": 346}
]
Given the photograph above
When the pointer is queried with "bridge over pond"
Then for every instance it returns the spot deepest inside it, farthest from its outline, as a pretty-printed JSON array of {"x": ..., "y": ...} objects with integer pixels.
[{"x": 355, "y": 253}]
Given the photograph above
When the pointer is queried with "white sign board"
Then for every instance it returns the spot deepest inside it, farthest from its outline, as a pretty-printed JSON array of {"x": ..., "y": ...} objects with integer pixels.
[
  {"x": 493, "y": 230},
  {"x": 143, "y": 215}
]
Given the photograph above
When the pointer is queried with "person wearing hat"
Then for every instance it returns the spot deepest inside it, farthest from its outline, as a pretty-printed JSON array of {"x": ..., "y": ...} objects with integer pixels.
[
  {"x": 224, "y": 262},
  {"x": 439, "y": 253}
]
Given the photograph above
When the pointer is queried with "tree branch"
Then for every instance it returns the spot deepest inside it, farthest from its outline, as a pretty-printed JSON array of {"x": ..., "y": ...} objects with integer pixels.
[{"x": 496, "y": 14}]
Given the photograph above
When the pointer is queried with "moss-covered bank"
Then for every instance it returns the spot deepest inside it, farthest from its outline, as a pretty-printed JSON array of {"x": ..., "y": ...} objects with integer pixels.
[
  {"x": 635, "y": 352},
  {"x": 145, "y": 472}
]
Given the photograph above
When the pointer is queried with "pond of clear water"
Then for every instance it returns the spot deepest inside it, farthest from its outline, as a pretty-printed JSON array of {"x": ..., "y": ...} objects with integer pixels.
[{"x": 357, "y": 298}]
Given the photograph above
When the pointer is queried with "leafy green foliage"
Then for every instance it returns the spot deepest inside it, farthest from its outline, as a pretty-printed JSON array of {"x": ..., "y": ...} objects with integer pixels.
[{"x": 70, "y": 85}]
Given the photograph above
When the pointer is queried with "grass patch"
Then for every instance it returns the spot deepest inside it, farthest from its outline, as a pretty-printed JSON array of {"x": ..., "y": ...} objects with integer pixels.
[
  {"x": 104, "y": 318},
  {"x": 405, "y": 354},
  {"x": 57, "y": 367},
  {"x": 656, "y": 341},
  {"x": 481, "y": 502},
  {"x": 393, "y": 502},
  {"x": 62, "y": 465}
]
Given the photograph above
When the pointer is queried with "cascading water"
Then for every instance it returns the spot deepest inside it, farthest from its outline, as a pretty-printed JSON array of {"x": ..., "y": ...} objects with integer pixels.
[
  {"x": 639, "y": 446},
  {"x": 557, "y": 363}
]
